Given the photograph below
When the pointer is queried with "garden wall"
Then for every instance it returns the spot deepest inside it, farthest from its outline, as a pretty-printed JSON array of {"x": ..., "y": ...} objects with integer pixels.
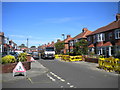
[{"x": 8, "y": 68}]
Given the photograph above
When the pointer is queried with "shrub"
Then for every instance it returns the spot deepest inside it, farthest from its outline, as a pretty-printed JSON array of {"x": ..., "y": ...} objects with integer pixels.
[
  {"x": 8, "y": 59},
  {"x": 22, "y": 57}
]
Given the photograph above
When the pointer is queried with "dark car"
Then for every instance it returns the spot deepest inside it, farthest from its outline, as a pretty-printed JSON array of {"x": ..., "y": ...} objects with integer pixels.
[
  {"x": 4, "y": 54},
  {"x": 15, "y": 54},
  {"x": 35, "y": 55}
]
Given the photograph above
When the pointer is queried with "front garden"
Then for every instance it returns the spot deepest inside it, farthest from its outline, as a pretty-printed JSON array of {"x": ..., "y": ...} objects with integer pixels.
[{"x": 9, "y": 62}]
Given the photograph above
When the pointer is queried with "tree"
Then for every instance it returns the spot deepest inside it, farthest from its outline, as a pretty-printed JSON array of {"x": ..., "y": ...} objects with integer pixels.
[
  {"x": 81, "y": 47},
  {"x": 22, "y": 46},
  {"x": 33, "y": 47},
  {"x": 59, "y": 46}
]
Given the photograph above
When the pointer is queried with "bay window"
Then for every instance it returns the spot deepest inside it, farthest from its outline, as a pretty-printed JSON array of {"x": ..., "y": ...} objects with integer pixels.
[{"x": 117, "y": 34}]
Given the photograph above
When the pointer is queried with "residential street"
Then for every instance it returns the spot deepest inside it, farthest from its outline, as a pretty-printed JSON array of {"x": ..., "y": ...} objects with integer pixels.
[{"x": 62, "y": 74}]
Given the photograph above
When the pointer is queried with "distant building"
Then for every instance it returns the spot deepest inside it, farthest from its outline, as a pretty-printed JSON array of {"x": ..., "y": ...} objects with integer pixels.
[
  {"x": 106, "y": 40},
  {"x": 6, "y": 45},
  {"x": 1, "y": 41}
]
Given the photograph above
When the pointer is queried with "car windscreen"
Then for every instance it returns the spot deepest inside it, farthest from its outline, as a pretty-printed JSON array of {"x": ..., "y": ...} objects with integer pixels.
[
  {"x": 35, "y": 53},
  {"x": 12, "y": 53},
  {"x": 49, "y": 49}
]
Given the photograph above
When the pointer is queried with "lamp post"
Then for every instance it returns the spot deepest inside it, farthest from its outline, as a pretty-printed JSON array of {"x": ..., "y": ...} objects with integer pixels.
[{"x": 63, "y": 36}]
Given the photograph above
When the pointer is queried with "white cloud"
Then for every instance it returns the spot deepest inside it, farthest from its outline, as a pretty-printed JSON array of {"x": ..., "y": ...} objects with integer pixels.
[
  {"x": 20, "y": 36},
  {"x": 60, "y": 20}
]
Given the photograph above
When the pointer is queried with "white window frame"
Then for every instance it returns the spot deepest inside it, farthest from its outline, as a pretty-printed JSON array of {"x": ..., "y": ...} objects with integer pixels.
[
  {"x": 100, "y": 37},
  {"x": 117, "y": 34},
  {"x": 71, "y": 43}
]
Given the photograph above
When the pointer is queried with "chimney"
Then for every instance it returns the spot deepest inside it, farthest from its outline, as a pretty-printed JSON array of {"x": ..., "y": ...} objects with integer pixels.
[
  {"x": 1, "y": 33},
  {"x": 52, "y": 42},
  {"x": 117, "y": 17},
  {"x": 68, "y": 36},
  {"x": 84, "y": 29}
]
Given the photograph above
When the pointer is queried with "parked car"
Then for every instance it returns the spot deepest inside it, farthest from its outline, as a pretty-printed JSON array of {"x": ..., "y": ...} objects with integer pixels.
[
  {"x": 35, "y": 55},
  {"x": 15, "y": 54},
  {"x": 4, "y": 54},
  {"x": 19, "y": 52},
  {"x": 30, "y": 53}
]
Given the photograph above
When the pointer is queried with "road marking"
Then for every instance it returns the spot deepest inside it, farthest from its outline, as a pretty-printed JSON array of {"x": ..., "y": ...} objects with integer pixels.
[
  {"x": 68, "y": 83},
  {"x": 61, "y": 86},
  {"x": 51, "y": 78},
  {"x": 61, "y": 80},
  {"x": 57, "y": 76},
  {"x": 30, "y": 80},
  {"x": 71, "y": 86}
]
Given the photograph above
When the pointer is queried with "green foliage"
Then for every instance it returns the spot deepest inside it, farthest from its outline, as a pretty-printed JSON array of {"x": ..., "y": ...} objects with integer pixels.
[
  {"x": 33, "y": 47},
  {"x": 22, "y": 57},
  {"x": 8, "y": 59},
  {"x": 117, "y": 55},
  {"x": 58, "y": 47},
  {"x": 23, "y": 46},
  {"x": 81, "y": 47},
  {"x": 101, "y": 56},
  {"x": 91, "y": 53}
]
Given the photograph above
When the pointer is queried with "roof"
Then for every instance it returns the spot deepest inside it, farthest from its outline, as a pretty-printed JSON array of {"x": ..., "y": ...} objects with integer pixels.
[
  {"x": 101, "y": 44},
  {"x": 111, "y": 26},
  {"x": 68, "y": 39},
  {"x": 83, "y": 34},
  {"x": 107, "y": 44},
  {"x": 91, "y": 45}
]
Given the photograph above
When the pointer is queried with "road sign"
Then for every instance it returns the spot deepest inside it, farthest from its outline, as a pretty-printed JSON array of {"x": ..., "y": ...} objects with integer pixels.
[
  {"x": 19, "y": 68},
  {"x": 32, "y": 59}
]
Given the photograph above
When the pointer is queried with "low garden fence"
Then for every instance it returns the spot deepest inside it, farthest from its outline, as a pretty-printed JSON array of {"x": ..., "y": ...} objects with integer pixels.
[{"x": 109, "y": 64}]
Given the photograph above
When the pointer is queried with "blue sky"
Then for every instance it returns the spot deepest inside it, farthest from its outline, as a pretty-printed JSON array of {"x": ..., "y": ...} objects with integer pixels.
[{"x": 44, "y": 22}]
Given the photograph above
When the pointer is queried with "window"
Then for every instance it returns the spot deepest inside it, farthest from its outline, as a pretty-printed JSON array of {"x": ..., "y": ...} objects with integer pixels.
[
  {"x": 89, "y": 38},
  {"x": 110, "y": 35},
  {"x": 71, "y": 43},
  {"x": 75, "y": 40},
  {"x": 117, "y": 34},
  {"x": 100, "y": 37},
  {"x": 94, "y": 39}
]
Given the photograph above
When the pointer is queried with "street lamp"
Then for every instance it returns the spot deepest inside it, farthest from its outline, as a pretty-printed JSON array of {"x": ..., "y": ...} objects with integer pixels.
[{"x": 63, "y": 36}]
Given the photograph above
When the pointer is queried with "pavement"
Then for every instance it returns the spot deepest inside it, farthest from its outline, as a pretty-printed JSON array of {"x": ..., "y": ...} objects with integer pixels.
[{"x": 36, "y": 70}]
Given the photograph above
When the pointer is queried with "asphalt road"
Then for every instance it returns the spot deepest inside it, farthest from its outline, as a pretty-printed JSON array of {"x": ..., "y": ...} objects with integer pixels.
[
  {"x": 80, "y": 75},
  {"x": 67, "y": 75}
]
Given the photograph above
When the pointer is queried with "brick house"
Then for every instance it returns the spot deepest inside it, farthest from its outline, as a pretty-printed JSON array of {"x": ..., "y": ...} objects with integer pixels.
[
  {"x": 77, "y": 38},
  {"x": 66, "y": 48},
  {"x": 6, "y": 45},
  {"x": 1, "y": 41},
  {"x": 106, "y": 40},
  {"x": 12, "y": 46},
  {"x": 52, "y": 44}
]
